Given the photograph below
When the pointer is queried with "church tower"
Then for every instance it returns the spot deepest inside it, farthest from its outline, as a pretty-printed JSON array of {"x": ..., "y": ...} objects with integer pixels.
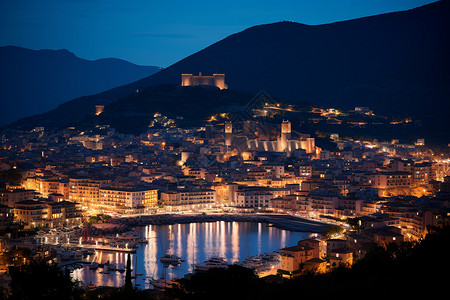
[
  {"x": 228, "y": 133},
  {"x": 285, "y": 136}
]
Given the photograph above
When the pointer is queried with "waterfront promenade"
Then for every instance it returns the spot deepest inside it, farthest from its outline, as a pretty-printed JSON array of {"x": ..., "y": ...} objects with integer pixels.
[{"x": 282, "y": 221}]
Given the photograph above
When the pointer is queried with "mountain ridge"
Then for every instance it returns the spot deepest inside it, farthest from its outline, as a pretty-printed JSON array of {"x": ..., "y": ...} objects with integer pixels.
[
  {"x": 50, "y": 77},
  {"x": 394, "y": 62}
]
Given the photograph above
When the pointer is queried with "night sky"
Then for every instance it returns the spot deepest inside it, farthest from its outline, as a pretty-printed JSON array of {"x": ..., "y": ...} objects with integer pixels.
[{"x": 160, "y": 33}]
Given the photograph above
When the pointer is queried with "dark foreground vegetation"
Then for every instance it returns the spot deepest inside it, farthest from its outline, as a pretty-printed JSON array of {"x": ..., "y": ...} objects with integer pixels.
[{"x": 406, "y": 270}]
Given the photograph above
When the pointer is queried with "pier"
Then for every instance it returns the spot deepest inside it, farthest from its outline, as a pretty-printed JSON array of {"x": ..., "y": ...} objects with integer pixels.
[{"x": 110, "y": 249}]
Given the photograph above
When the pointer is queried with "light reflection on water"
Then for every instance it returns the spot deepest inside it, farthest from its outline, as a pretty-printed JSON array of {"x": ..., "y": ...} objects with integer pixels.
[{"x": 195, "y": 243}]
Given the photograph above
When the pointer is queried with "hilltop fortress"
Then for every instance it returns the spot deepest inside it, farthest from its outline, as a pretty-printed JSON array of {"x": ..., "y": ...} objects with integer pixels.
[{"x": 217, "y": 80}]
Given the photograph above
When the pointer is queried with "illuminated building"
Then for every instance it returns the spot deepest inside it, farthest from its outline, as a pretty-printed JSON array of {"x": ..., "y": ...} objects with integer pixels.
[
  {"x": 369, "y": 207},
  {"x": 305, "y": 170},
  {"x": 126, "y": 200},
  {"x": 323, "y": 203},
  {"x": 198, "y": 173},
  {"x": 422, "y": 172},
  {"x": 285, "y": 136},
  {"x": 217, "y": 80},
  {"x": 93, "y": 142},
  {"x": 35, "y": 213},
  {"x": 30, "y": 212},
  {"x": 253, "y": 198},
  {"x": 349, "y": 207},
  {"x": 63, "y": 213},
  {"x": 275, "y": 170},
  {"x": 47, "y": 186},
  {"x": 228, "y": 133},
  {"x": 272, "y": 142},
  {"x": 391, "y": 180},
  {"x": 420, "y": 142},
  {"x": 85, "y": 191},
  {"x": 282, "y": 204},
  {"x": 225, "y": 193},
  {"x": 10, "y": 197},
  {"x": 188, "y": 199},
  {"x": 292, "y": 258},
  {"x": 341, "y": 257}
]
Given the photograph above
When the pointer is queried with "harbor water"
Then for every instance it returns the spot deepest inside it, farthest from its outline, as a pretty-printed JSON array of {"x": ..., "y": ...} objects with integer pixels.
[{"x": 194, "y": 243}]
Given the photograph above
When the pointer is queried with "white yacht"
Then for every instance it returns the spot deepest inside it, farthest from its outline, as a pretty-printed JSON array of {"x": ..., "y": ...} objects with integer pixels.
[{"x": 213, "y": 262}]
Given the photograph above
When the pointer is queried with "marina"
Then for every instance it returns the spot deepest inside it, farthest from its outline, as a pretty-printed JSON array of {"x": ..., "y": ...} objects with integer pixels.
[{"x": 199, "y": 246}]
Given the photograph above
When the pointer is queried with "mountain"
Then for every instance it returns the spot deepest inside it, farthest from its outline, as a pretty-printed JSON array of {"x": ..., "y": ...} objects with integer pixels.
[
  {"x": 395, "y": 63},
  {"x": 35, "y": 81}
]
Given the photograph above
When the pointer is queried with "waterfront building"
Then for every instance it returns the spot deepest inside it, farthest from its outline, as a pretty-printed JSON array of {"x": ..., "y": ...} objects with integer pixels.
[
  {"x": 225, "y": 193},
  {"x": 30, "y": 212},
  {"x": 127, "y": 200},
  {"x": 323, "y": 203},
  {"x": 188, "y": 199},
  {"x": 293, "y": 258},
  {"x": 85, "y": 191},
  {"x": 253, "y": 198},
  {"x": 283, "y": 204},
  {"x": 44, "y": 213},
  {"x": 63, "y": 213}
]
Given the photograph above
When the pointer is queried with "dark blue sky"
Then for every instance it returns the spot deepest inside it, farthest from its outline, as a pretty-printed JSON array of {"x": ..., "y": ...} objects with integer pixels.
[{"x": 149, "y": 32}]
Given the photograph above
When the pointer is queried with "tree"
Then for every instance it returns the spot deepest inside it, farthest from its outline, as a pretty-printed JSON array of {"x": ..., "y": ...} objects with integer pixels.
[
  {"x": 128, "y": 286},
  {"x": 40, "y": 280},
  {"x": 332, "y": 230},
  {"x": 217, "y": 283}
]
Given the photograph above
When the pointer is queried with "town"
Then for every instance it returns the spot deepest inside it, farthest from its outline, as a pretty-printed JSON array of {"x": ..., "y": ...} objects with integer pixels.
[{"x": 67, "y": 180}]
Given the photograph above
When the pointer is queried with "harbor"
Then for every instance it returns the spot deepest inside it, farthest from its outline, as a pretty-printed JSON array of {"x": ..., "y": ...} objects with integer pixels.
[{"x": 251, "y": 245}]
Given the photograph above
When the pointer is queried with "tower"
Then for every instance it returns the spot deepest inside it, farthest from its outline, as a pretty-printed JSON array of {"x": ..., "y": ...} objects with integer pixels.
[
  {"x": 285, "y": 136},
  {"x": 228, "y": 133},
  {"x": 186, "y": 79},
  {"x": 219, "y": 81},
  {"x": 209, "y": 129}
]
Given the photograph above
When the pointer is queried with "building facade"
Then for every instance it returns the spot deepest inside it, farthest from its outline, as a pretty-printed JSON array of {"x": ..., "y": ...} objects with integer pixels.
[
  {"x": 217, "y": 80},
  {"x": 127, "y": 201}
]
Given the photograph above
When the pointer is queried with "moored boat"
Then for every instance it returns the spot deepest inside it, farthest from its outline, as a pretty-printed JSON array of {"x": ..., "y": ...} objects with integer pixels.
[
  {"x": 160, "y": 283},
  {"x": 213, "y": 262},
  {"x": 170, "y": 259}
]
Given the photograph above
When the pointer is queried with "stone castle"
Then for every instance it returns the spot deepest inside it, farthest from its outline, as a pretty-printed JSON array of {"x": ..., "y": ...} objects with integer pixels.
[
  {"x": 217, "y": 80},
  {"x": 278, "y": 142}
]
